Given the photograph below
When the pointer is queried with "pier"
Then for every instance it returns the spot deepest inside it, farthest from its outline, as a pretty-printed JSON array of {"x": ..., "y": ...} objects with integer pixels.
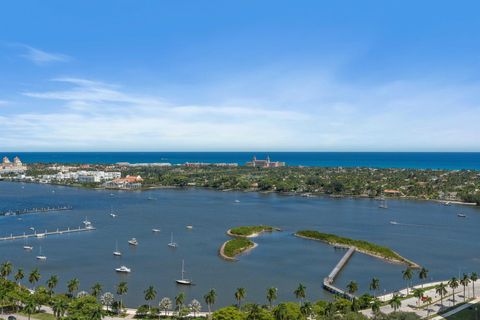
[
  {"x": 35, "y": 210},
  {"x": 47, "y": 233},
  {"x": 328, "y": 281}
]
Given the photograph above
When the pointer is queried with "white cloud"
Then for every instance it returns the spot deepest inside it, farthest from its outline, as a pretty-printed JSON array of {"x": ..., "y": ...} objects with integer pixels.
[{"x": 41, "y": 57}]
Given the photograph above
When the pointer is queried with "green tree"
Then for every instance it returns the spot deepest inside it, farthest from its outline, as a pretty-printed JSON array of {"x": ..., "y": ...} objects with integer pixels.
[
  {"x": 150, "y": 294},
  {"x": 122, "y": 289},
  {"x": 210, "y": 299},
  {"x": 96, "y": 289},
  {"x": 52, "y": 283},
  {"x": 165, "y": 304},
  {"x": 396, "y": 302},
  {"x": 180, "y": 300},
  {"x": 300, "y": 293},
  {"x": 240, "y": 295},
  {"x": 465, "y": 281},
  {"x": 195, "y": 307},
  {"x": 30, "y": 307},
  {"x": 423, "y": 275},
  {"x": 5, "y": 269},
  {"x": 59, "y": 306},
  {"x": 418, "y": 293},
  {"x": 19, "y": 275},
  {"x": 306, "y": 309},
  {"x": 352, "y": 287},
  {"x": 271, "y": 295},
  {"x": 474, "y": 278},
  {"x": 72, "y": 286},
  {"x": 441, "y": 289},
  {"x": 453, "y": 283},
  {"x": 34, "y": 277},
  {"x": 376, "y": 304},
  {"x": 407, "y": 275},
  {"x": 374, "y": 286},
  {"x": 280, "y": 312},
  {"x": 228, "y": 313}
]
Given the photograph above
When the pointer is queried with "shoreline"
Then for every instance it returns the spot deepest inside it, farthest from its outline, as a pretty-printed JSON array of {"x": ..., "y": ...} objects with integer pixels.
[
  {"x": 222, "y": 254},
  {"x": 253, "y": 235},
  {"x": 406, "y": 261}
]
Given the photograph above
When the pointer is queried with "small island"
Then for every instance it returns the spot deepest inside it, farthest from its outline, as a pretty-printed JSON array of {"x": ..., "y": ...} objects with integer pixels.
[
  {"x": 234, "y": 247},
  {"x": 360, "y": 245},
  {"x": 250, "y": 231}
]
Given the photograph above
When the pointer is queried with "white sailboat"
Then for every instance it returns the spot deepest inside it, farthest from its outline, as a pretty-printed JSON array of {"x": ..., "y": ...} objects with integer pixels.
[
  {"x": 113, "y": 215},
  {"x": 172, "y": 244},
  {"x": 40, "y": 256},
  {"x": 183, "y": 281},
  {"x": 116, "y": 252},
  {"x": 155, "y": 230},
  {"x": 123, "y": 269},
  {"x": 383, "y": 204},
  {"x": 26, "y": 246}
]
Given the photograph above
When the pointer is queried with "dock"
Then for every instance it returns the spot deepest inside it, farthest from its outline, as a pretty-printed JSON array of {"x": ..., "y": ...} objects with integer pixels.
[
  {"x": 328, "y": 281},
  {"x": 35, "y": 210},
  {"x": 47, "y": 233}
]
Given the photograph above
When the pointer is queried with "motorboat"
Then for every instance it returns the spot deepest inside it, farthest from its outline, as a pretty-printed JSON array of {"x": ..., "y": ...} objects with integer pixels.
[
  {"x": 190, "y": 227},
  {"x": 155, "y": 230},
  {"x": 183, "y": 281},
  {"x": 123, "y": 269},
  {"x": 133, "y": 242},
  {"x": 393, "y": 222},
  {"x": 461, "y": 215}
]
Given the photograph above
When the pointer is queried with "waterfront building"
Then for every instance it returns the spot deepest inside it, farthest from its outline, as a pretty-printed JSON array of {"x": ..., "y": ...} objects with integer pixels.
[
  {"x": 264, "y": 163},
  {"x": 12, "y": 167},
  {"x": 129, "y": 182}
]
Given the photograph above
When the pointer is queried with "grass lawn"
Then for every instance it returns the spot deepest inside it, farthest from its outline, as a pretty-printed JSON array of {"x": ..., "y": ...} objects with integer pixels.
[
  {"x": 40, "y": 316},
  {"x": 467, "y": 314}
]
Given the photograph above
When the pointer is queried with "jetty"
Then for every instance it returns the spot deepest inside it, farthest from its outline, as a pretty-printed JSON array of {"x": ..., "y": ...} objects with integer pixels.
[
  {"x": 328, "y": 281},
  {"x": 35, "y": 210},
  {"x": 36, "y": 234}
]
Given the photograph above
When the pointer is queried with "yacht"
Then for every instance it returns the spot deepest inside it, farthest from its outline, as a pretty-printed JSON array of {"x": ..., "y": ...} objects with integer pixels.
[
  {"x": 133, "y": 242},
  {"x": 155, "y": 230},
  {"x": 172, "y": 244},
  {"x": 26, "y": 246},
  {"x": 87, "y": 224},
  {"x": 116, "y": 252},
  {"x": 461, "y": 215},
  {"x": 393, "y": 222},
  {"x": 123, "y": 269},
  {"x": 183, "y": 280},
  {"x": 40, "y": 256},
  {"x": 190, "y": 227},
  {"x": 237, "y": 201}
]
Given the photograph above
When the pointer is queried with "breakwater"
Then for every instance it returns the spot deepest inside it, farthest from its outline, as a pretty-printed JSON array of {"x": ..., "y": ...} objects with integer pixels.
[
  {"x": 35, "y": 210},
  {"x": 47, "y": 233}
]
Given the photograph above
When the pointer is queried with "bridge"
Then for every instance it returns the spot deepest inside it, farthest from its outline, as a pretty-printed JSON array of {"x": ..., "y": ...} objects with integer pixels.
[
  {"x": 47, "y": 233},
  {"x": 328, "y": 281}
]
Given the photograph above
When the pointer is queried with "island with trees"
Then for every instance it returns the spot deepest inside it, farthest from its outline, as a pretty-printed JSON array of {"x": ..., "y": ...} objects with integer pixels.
[
  {"x": 250, "y": 231},
  {"x": 363, "y": 246}
]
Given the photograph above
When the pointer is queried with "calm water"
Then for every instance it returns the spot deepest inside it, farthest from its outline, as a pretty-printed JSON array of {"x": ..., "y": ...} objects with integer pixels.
[
  {"x": 429, "y": 233},
  {"x": 422, "y": 160}
]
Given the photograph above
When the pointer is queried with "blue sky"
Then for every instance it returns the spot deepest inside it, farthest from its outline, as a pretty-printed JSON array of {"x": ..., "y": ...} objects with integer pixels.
[{"x": 239, "y": 75}]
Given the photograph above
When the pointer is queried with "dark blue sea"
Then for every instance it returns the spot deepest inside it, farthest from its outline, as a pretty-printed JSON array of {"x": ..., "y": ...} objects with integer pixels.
[{"x": 417, "y": 160}]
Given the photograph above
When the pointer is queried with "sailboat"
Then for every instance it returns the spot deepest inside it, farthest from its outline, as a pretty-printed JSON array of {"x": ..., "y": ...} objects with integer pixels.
[
  {"x": 26, "y": 246},
  {"x": 113, "y": 215},
  {"x": 40, "y": 256},
  {"x": 383, "y": 204},
  {"x": 183, "y": 281},
  {"x": 172, "y": 244},
  {"x": 116, "y": 252}
]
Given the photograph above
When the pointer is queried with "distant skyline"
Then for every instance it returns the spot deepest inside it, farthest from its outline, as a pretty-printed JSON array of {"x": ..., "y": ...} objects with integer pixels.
[{"x": 248, "y": 75}]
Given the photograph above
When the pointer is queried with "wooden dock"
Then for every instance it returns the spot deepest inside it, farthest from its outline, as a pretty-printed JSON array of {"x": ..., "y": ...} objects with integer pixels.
[
  {"x": 328, "y": 281},
  {"x": 46, "y": 233}
]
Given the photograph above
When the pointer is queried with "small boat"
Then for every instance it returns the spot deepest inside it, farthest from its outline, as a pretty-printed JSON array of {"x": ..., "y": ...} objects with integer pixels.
[
  {"x": 123, "y": 269},
  {"x": 190, "y": 227},
  {"x": 183, "y": 281},
  {"x": 171, "y": 243},
  {"x": 31, "y": 228},
  {"x": 383, "y": 204},
  {"x": 447, "y": 203},
  {"x": 116, "y": 252},
  {"x": 40, "y": 256},
  {"x": 155, "y": 230},
  {"x": 87, "y": 224},
  {"x": 237, "y": 201},
  {"x": 26, "y": 246},
  {"x": 40, "y": 235},
  {"x": 461, "y": 215},
  {"x": 112, "y": 195},
  {"x": 133, "y": 242},
  {"x": 113, "y": 215},
  {"x": 151, "y": 198},
  {"x": 393, "y": 222}
]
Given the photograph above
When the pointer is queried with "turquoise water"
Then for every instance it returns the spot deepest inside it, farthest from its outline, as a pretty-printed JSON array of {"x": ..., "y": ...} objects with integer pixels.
[
  {"x": 429, "y": 233},
  {"x": 419, "y": 160}
]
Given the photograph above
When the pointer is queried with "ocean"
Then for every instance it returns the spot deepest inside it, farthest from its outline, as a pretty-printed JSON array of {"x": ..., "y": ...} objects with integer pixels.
[{"x": 414, "y": 160}]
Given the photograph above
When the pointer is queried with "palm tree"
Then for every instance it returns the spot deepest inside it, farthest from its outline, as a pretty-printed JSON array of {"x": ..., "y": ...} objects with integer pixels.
[
  {"x": 423, "y": 274},
  {"x": 407, "y": 276},
  {"x": 34, "y": 277},
  {"x": 441, "y": 289},
  {"x": 453, "y": 283},
  {"x": 210, "y": 299},
  {"x": 96, "y": 289},
  {"x": 195, "y": 307},
  {"x": 59, "y": 307},
  {"x": 418, "y": 293},
  {"x": 122, "y": 289},
  {"x": 179, "y": 300},
  {"x": 73, "y": 285},
  {"x": 474, "y": 278},
  {"x": 52, "y": 283},
  {"x": 254, "y": 312},
  {"x": 30, "y": 307},
  {"x": 465, "y": 282},
  {"x": 306, "y": 310},
  {"x": 300, "y": 292},
  {"x": 376, "y": 305},
  {"x": 19, "y": 275},
  {"x": 272, "y": 295},
  {"x": 281, "y": 312},
  {"x": 240, "y": 294},
  {"x": 5, "y": 269},
  {"x": 374, "y": 286},
  {"x": 150, "y": 294},
  {"x": 396, "y": 302},
  {"x": 352, "y": 287},
  {"x": 96, "y": 313},
  {"x": 107, "y": 299},
  {"x": 165, "y": 304}
]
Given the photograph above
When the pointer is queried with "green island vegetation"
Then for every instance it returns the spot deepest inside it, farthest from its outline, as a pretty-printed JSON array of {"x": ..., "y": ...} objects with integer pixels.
[
  {"x": 245, "y": 231},
  {"x": 445, "y": 185},
  {"x": 361, "y": 245},
  {"x": 234, "y": 247}
]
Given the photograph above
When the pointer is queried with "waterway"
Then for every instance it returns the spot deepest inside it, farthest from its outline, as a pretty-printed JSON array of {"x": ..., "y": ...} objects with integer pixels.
[{"x": 428, "y": 233}]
